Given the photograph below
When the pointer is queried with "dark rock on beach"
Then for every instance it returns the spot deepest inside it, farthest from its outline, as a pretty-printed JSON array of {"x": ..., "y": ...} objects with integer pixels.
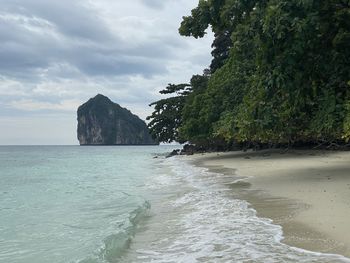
[
  {"x": 173, "y": 153},
  {"x": 103, "y": 122}
]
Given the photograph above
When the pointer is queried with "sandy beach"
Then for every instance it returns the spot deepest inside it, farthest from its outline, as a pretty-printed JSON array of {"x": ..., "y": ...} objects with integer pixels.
[{"x": 306, "y": 192}]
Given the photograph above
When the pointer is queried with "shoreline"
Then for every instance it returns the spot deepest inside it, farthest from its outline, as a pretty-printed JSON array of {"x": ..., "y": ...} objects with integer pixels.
[{"x": 307, "y": 192}]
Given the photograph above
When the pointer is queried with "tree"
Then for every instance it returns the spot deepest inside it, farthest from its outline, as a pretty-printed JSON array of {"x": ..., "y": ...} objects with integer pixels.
[
  {"x": 279, "y": 75},
  {"x": 221, "y": 50},
  {"x": 167, "y": 116},
  {"x": 193, "y": 127}
]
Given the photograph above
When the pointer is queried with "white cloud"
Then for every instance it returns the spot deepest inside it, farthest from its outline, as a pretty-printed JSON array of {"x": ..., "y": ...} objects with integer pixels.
[{"x": 12, "y": 87}]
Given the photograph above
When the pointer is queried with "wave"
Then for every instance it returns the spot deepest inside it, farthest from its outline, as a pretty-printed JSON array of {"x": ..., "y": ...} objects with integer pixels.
[
  {"x": 213, "y": 226},
  {"x": 115, "y": 245}
]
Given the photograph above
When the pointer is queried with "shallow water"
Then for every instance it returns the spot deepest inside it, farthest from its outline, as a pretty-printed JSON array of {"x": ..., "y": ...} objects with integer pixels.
[
  {"x": 66, "y": 204},
  {"x": 119, "y": 204}
]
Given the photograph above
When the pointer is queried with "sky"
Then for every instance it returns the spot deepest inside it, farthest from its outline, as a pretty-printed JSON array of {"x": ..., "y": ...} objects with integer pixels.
[{"x": 56, "y": 54}]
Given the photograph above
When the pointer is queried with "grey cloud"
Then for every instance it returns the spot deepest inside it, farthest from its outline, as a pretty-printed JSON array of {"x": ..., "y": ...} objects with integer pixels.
[
  {"x": 38, "y": 33},
  {"x": 104, "y": 65},
  {"x": 157, "y": 4},
  {"x": 72, "y": 18}
]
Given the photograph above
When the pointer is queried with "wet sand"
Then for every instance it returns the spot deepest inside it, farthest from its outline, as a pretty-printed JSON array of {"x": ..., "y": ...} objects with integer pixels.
[{"x": 306, "y": 192}]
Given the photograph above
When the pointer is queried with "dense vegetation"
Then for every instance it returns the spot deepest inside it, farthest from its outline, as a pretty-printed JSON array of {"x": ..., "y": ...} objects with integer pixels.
[{"x": 280, "y": 74}]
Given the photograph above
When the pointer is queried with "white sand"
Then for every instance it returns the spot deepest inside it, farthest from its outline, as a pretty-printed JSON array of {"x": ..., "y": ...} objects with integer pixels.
[{"x": 316, "y": 182}]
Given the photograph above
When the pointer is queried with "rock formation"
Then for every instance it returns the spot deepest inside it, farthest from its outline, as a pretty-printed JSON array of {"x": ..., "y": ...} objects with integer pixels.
[{"x": 103, "y": 122}]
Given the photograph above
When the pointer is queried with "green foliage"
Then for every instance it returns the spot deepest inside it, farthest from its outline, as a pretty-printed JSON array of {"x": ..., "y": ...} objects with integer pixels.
[
  {"x": 280, "y": 72},
  {"x": 346, "y": 127},
  {"x": 167, "y": 116},
  {"x": 194, "y": 126},
  {"x": 196, "y": 24}
]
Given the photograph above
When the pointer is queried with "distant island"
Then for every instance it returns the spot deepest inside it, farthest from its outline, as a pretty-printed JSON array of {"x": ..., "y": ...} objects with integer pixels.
[{"x": 103, "y": 122}]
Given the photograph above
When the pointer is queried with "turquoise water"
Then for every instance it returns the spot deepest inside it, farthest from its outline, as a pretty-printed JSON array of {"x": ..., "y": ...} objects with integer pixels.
[
  {"x": 120, "y": 204},
  {"x": 70, "y": 203}
]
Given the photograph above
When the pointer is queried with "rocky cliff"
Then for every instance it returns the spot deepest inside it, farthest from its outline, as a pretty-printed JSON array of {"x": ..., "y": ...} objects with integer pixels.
[{"x": 103, "y": 122}]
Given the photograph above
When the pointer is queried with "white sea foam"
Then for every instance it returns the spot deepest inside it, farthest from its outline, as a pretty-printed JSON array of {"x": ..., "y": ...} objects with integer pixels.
[{"x": 208, "y": 225}]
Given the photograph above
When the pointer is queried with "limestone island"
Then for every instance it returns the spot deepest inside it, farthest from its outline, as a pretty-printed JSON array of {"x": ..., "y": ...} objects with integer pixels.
[{"x": 103, "y": 122}]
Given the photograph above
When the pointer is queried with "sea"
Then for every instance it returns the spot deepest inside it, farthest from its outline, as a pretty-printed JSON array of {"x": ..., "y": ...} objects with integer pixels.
[{"x": 87, "y": 204}]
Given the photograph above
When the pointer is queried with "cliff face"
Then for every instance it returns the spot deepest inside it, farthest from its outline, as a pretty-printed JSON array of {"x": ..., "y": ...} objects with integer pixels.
[{"x": 102, "y": 122}]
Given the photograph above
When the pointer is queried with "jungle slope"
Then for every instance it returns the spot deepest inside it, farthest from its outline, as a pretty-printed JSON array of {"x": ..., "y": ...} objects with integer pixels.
[{"x": 280, "y": 75}]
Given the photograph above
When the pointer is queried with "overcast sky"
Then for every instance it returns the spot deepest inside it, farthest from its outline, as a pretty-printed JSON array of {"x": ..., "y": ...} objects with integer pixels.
[{"x": 56, "y": 54}]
